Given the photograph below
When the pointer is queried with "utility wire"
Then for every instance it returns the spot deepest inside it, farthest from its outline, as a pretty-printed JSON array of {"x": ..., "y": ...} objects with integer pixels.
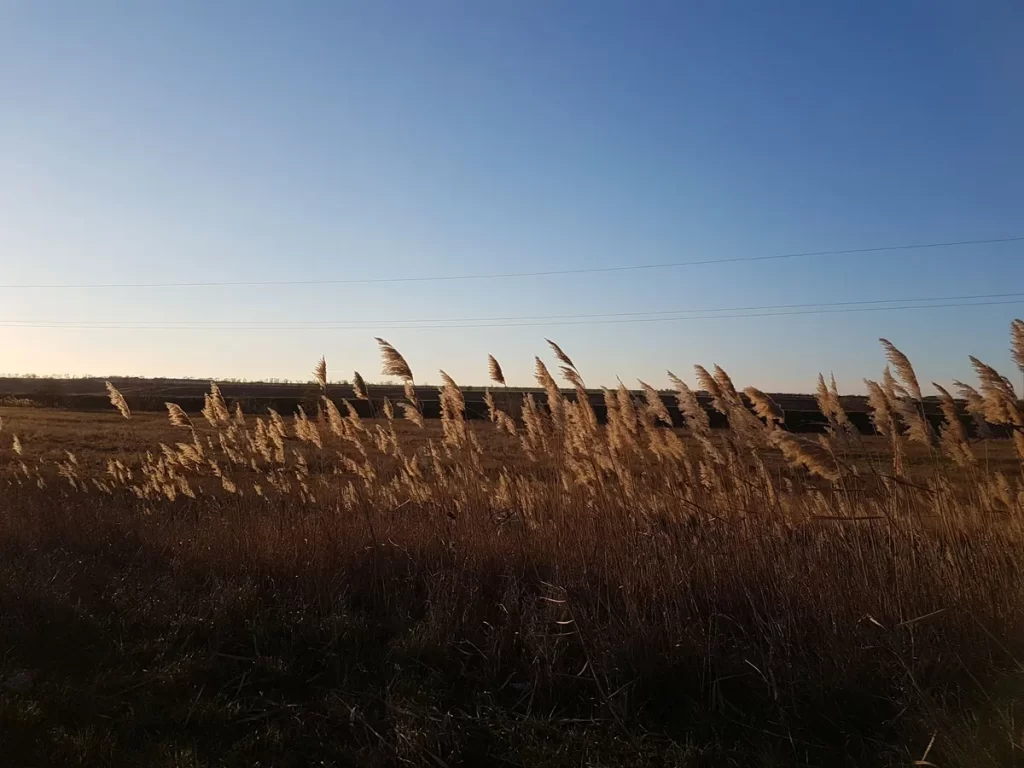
[
  {"x": 840, "y": 310},
  {"x": 505, "y": 275},
  {"x": 360, "y": 324}
]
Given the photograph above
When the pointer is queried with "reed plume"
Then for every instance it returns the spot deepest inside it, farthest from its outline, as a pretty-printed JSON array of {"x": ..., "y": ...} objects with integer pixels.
[
  {"x": 393, "y": 364},
  {"x": 117, "y": 400},
  {"x": 572, "y": 376},
  {"x": 809, "y": 455},
  {"x": 882, "y": 402},
  {"x": 1017, "y": 343},
  {"x": 545, "y": 379},
  {"x": 1000, "y": 399},
  {"x": 178, "y": 417},
  {"x": 881, "y": 412},
  {"x": 655, "y": 405},
  {"x": 696, "y": 417},
  {"x": 975, "y": 408},
  {"x": 726, "y": 386},
  {"x": 359, "y": 387},
  {"x": 892, "y": 388},
  {"x": 353, "y": 416},
  {"x": 412, "y": 413},
  {"x": 218, "y": 405},
  {"x": 708, "y": 383},
  {"x": 494, "y": 371},
  {"x": 901, "y": 363},
  {"x": 953, "y": 436},
  {"x": 320, "y": 373},
  {"x": 335, "y": 422},
  {"x": 765, "y": 407},
  {"x": 560, "y": 354},
  {"x": 451, "y": 390}
]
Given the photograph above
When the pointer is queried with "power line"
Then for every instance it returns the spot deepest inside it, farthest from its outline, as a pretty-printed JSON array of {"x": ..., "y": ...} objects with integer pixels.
[
  {"x": 505, "y": 275},
  {"x": 363, "y": 324},
  {"x": 839, "y": 310}
]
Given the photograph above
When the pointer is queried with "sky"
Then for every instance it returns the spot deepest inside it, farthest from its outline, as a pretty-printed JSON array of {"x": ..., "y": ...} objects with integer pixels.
[{"x": 226, "y": 141}]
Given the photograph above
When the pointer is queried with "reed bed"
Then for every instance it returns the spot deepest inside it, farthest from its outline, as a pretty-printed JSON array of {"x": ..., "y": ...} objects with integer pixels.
[{"x": 543, "y": 589}]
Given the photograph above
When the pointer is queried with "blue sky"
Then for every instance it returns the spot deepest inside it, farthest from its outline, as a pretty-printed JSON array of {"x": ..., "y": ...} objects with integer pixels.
[{"x": 220, "y": 141}]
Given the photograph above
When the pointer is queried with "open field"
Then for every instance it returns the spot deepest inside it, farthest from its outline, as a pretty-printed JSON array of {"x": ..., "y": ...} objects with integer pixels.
[
  {"x": 545, "y": 587},
  {"x": 149, "y": 395},
  {"x": 94, "y": 438}
]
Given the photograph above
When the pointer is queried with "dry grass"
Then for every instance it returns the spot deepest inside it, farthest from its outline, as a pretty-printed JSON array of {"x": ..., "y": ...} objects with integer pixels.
[{"x": 542, "y": 590}]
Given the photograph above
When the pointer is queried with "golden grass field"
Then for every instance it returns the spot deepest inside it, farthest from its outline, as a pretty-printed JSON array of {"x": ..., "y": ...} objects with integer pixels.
[{"x": 541, "y": 589}]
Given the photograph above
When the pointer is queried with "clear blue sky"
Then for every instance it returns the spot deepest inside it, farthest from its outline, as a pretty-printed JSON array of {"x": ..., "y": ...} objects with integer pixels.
[{"x": 190, "y": 141}]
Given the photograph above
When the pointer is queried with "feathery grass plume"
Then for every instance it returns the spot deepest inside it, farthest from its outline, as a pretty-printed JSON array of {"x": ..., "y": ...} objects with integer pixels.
[
  {"x": 728, "y": 402},
  {"x": 626, "y": 410},
  {"x": 1000, "y": 398},
  {"x": 554, "y": 395},
  {"x": 393, "y": 364},
  {"x": 1017, "y": 342},
  {"x": 765, "y": 407},
  {"x": 881, "y": 413},
  {"x": 412, "y": 413},
  {"x": 534, "y": 437},
  {"x": 16, "y": 445},
  {"x": 586, "y": 418},
  {"x": 696, "y": 417},
  {"x": 207, "y": 411},
  {"x": 655, "y": 404},
  {"x": 611, "y": 405},
  {"x": 117, "y": 400},
  {"x": 953, "y": 436},
  {"x": 494, "y": 371},
  {"x": 492, "y": 409},
  {"x": 306, "y": 430},
  {"x": 726, "y": 386},
  {"x": 178, "y": 417},
  {"x": 617, "y": 435},
  {"x": 824, "y": 400},
  {"x": 218, "y": 404},
  {"x": 562, "y": 357},
  {"x": 892, "y": 388},
  {"x": 901, "y": 363},
  {"x": 708, "y": 384},
  {"x": 901, "y": 399},
  {"x": 975, "y": 408},
  {"x": 831, "y": 407},
  {"x": 189, "y": 453},
  {"x": 389, "y": 409},
  {"x": 334, "y": 420},
  {"x": 801, "y": 453},
  {"x": 277, "y": 425},
  {"x": 918, "y": 428},
  {"x": 839, "y": 412},
  {"x": 410, "y": 393},
  {"x": 453, "y": 407},
  {"x": 507, "y": 423},
  {"x": 320, "y": 373},
  {"x": 883, "y": 416},
  {"x": 359, "y": 387},
  {"x": 353, "y": 417},
  {"x": 572, "y": 376},
  {"x": 451, "y": 389}
]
